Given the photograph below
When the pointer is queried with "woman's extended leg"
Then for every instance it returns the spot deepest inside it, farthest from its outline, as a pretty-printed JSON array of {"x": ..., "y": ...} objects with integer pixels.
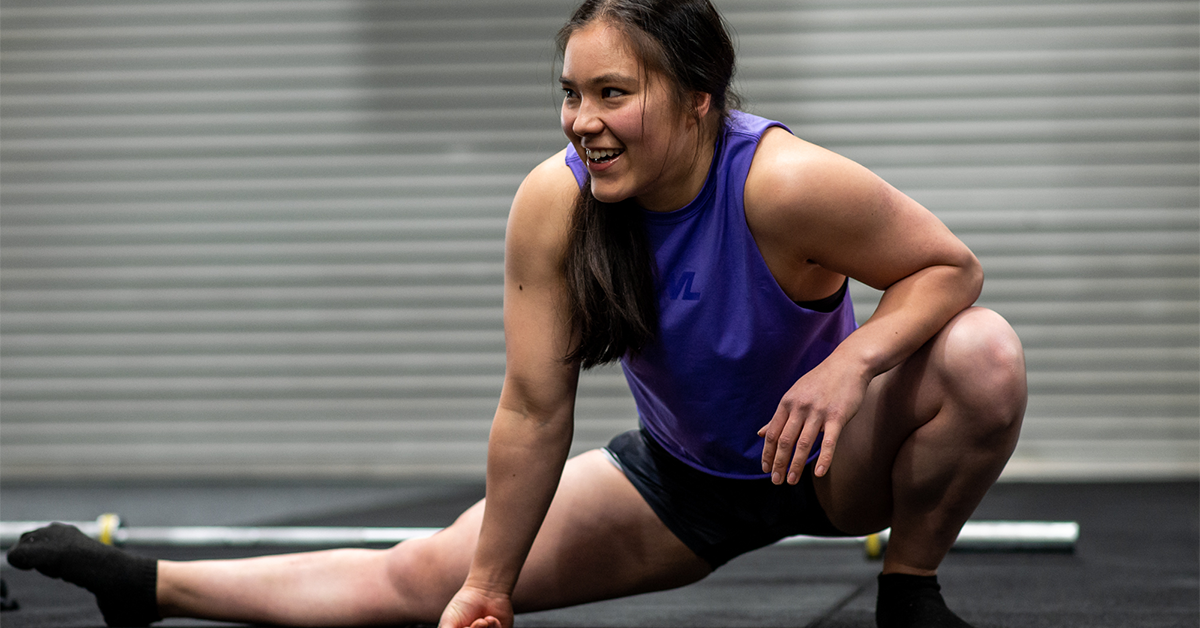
[{"x": 599, "y": 540}]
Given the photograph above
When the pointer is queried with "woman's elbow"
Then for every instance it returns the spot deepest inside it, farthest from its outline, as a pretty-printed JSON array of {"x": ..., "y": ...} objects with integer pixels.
[{"x": 971, "y": 274}]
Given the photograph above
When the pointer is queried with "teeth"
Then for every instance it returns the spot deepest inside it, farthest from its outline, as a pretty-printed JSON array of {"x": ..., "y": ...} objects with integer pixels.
[{"x": 602, "y": 154}]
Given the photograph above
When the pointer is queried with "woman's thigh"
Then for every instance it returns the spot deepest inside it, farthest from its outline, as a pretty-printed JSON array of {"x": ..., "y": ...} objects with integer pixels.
[{"x": 599, "y": 540}]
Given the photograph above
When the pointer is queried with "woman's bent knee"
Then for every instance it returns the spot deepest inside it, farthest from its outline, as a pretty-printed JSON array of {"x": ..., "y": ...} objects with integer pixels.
[{"x": 983, "y": 365}]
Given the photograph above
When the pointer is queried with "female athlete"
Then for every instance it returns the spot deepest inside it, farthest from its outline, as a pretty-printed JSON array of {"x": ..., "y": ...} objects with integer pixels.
[{"x": 708, "y": 250}]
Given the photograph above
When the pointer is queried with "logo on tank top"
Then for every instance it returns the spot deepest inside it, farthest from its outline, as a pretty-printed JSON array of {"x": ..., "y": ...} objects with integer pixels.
[{"x": 681, "y": 288}]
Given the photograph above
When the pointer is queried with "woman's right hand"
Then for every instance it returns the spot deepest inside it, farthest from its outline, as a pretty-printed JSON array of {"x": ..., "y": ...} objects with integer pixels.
[{"x": 477, "y": 608}]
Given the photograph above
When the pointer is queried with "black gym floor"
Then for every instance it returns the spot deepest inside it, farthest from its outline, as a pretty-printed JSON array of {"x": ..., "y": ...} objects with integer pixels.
[{"x": 1137, "y": 563}]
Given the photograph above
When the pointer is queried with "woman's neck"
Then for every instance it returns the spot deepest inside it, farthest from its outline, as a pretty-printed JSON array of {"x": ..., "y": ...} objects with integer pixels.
[{"x": 687, "y": 174}]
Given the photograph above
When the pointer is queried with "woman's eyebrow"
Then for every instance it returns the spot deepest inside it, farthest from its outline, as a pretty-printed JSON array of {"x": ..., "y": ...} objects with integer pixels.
[{"x": 611, "y": 77}]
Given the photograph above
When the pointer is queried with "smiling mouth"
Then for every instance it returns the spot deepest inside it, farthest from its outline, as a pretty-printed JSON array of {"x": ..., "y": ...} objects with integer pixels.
[{"x": 603, "y": 155}]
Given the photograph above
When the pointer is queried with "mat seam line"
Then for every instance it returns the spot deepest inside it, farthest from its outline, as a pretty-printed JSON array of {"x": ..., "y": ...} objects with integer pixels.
[{"x": 819, "y": 621}]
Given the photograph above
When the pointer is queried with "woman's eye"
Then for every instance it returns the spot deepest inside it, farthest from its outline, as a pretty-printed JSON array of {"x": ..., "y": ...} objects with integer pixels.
[
  {"x": 610, "y": 92},
  {"x": 568, "y": 93}
]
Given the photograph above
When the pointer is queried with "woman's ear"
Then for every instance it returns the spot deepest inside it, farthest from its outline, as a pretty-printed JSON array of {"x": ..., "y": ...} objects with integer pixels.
[{"x": 701, "y": 104}]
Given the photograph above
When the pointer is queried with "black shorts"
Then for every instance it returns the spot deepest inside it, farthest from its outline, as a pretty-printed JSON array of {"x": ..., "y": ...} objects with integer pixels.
[{"x": 718, "y": 518}]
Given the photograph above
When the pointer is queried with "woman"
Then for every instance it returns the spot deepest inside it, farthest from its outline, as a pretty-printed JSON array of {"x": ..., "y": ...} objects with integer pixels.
[{"x": 708, "y": 250}]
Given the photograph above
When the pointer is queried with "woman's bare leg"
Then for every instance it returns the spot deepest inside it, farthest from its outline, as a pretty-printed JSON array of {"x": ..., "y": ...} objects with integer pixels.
[
  {"x": 599, "y": 540},
  {"x": 932, "y": 437}
]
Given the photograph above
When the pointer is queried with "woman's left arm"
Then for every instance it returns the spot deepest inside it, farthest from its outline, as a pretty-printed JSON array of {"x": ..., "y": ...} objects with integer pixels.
[{"x": 808, "y": 205}]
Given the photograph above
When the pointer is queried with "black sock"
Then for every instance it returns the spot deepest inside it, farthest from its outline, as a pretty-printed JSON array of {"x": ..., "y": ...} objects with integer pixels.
[
  {"x": 913, "y": 602},
  {"x": 124, "y": 584}
]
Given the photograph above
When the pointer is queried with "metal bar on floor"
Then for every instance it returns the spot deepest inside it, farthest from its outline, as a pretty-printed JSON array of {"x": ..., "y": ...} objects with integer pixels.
[{"x": 995, "y": 536}]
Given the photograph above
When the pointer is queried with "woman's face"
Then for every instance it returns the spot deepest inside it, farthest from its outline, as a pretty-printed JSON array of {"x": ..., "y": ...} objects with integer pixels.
[{"x": 625, "y": 126}]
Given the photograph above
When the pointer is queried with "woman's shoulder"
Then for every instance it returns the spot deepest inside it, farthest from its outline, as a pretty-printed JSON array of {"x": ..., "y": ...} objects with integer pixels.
[
  {"x": 542, "y": 207},
  {"x": 551, "y": 181},
  {"x": 793, "y": 175}
]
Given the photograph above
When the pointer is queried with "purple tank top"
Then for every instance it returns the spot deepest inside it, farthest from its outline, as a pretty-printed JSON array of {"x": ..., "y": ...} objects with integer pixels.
[{"x": 730, "y": 341}]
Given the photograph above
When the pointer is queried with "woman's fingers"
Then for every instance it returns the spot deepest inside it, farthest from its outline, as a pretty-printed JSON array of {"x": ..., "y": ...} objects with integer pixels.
[
  {"x": 808, "y": 436},
  {"x": 785, "y": 446},
  {"x": 787, "y": 439},
  {"x": 770, "y": 434},
  {"x": 825, "y": 460},
  {"x": 790, "y": 437}
]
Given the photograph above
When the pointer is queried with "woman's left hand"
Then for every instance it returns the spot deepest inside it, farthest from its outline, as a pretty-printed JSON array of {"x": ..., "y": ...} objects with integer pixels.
[{"x": 821, "y": 402}]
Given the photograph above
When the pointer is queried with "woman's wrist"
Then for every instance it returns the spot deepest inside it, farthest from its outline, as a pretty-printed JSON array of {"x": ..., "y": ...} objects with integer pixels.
[
  {"x": 493, "y": 588},
  {"x": 495, "y": 581}
]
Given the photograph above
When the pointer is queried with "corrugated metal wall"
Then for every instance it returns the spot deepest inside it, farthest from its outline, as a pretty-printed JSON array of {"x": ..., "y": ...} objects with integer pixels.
[{"x": 264, "y": 238}]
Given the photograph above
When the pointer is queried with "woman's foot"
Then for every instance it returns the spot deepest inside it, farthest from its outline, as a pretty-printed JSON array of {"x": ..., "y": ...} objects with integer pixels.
[
  {"x": 124, "y": 584},
  {"x": 913, "y": 602}
]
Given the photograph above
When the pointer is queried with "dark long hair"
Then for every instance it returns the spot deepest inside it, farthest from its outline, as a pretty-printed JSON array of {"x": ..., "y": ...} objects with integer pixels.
[{"x": 608, "y": 267}]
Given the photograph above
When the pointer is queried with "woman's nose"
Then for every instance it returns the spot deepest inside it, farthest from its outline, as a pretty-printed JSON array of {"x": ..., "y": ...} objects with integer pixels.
[{"x": 587, "y": 121}]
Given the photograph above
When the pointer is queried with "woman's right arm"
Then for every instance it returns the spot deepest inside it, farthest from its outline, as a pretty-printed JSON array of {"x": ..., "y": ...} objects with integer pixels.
[{"x": 532, "y": 430}]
